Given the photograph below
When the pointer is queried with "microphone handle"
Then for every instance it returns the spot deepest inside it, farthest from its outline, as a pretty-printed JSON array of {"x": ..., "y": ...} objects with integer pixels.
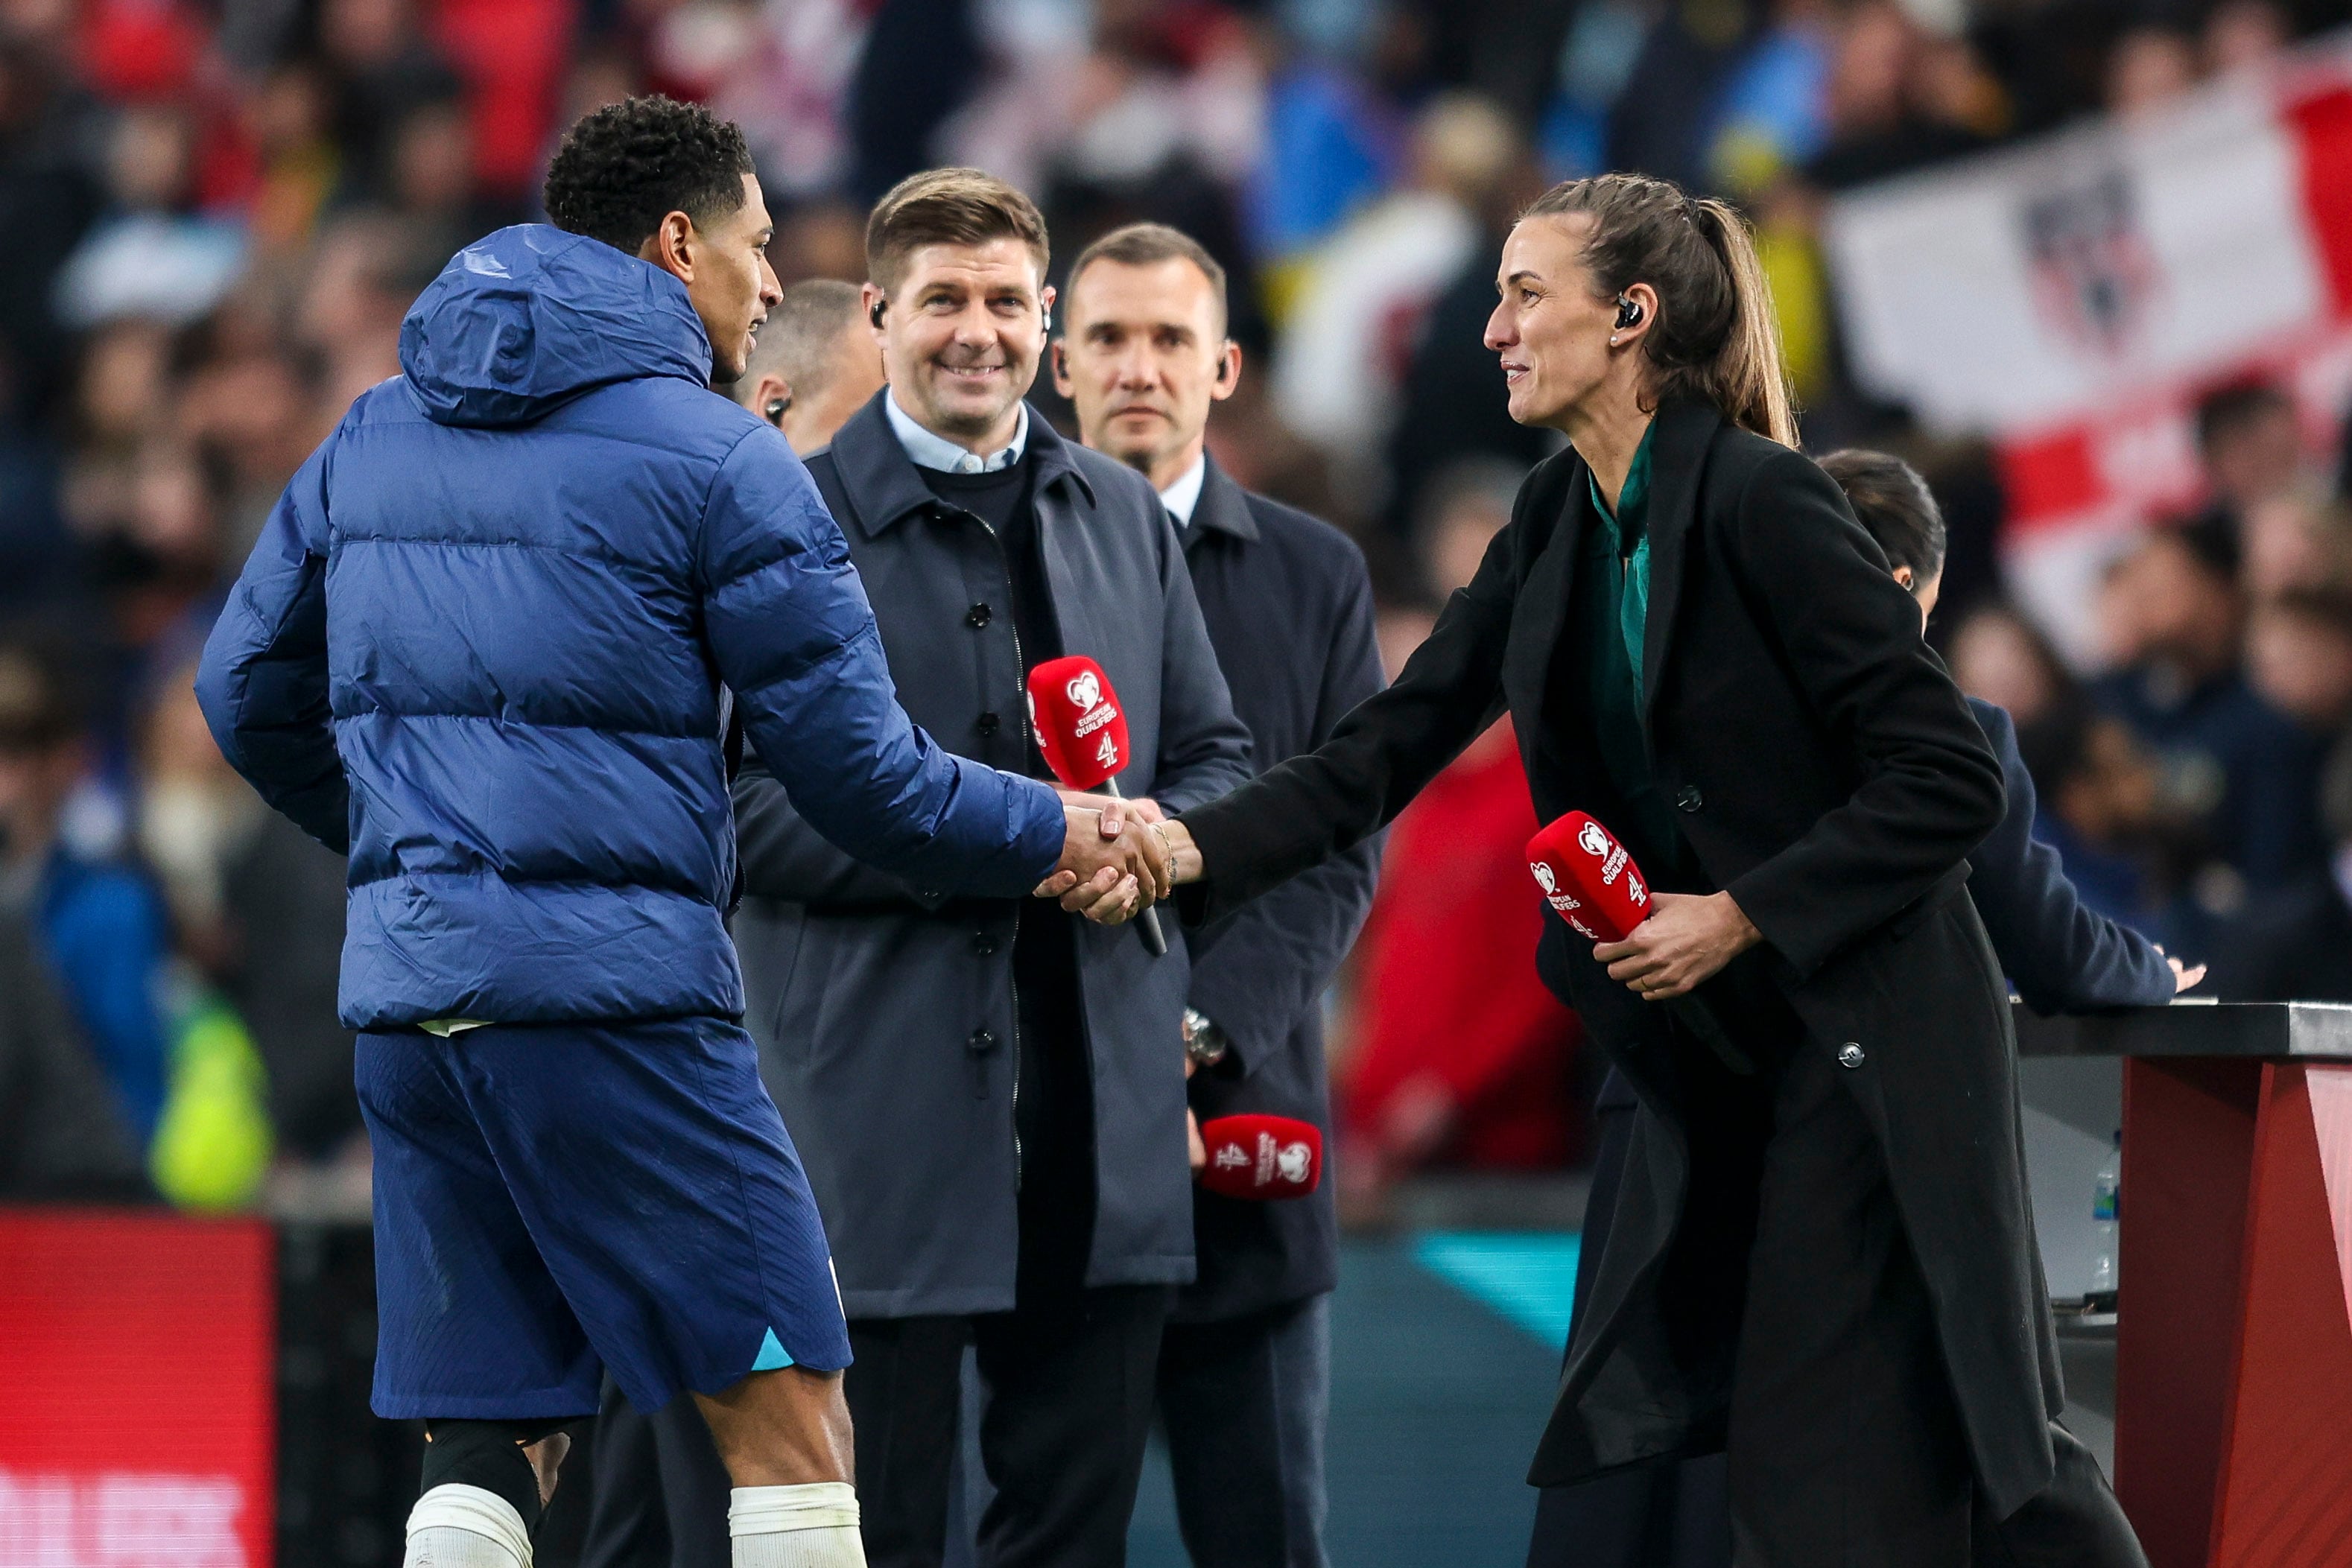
[{"x": 1154, "y": 938}]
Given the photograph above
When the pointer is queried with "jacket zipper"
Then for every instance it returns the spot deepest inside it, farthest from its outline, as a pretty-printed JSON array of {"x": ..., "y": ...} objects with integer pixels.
[{"x": 1013, "y": 981}]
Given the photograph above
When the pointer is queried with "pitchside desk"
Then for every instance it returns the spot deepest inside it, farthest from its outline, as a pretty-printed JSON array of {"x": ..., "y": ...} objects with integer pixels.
[{"x": 2234, "y": 1361}]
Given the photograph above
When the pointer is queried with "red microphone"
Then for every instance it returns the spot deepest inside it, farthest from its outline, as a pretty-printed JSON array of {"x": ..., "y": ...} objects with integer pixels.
[
  {"x": 1260, "y": 1157},
  {"x": 1082, "y": 731},
  {"x": 1591, "y": 882},
  {"x": 1586, "y": 877}
]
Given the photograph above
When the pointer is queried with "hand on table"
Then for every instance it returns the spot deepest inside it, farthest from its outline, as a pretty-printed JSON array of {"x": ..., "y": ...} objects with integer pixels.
[
  {"x": 1685, "y": 940},
  {"x": 2184, "y": 976}
]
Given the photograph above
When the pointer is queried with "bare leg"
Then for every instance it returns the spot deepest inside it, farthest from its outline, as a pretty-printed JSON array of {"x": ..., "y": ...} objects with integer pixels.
[
  {"x": 786, "y": 1427},
  {"x": 546, "y": 1456}
]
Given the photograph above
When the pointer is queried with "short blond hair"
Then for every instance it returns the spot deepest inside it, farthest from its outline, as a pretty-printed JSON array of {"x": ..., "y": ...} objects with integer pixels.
[{"x": 948, "y": 207}]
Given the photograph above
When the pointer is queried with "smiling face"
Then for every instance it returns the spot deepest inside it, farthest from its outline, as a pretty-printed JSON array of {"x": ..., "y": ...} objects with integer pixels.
[
  {"x": 1550, "y": 327},
  {"x": 724, "y": 267},
  {"x": 1144, "y": 356},
  {"x": 961, "y": 336}
]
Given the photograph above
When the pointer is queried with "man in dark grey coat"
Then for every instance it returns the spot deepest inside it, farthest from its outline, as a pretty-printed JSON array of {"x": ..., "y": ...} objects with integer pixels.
[
  {"x": 988, "y": 1093},
  {"x": 1244, "y": 1380}
]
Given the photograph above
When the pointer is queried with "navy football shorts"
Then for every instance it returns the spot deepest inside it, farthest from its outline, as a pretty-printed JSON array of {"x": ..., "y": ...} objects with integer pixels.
[{"x": 554, "y": 1200}]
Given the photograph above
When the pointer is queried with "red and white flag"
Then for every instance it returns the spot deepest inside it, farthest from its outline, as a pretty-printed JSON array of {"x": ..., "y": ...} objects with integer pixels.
[{"x": 2072, "y": 297}]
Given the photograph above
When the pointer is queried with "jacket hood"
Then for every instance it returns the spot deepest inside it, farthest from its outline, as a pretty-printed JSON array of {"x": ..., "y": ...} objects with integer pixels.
[{"x": 525, "y": 319}]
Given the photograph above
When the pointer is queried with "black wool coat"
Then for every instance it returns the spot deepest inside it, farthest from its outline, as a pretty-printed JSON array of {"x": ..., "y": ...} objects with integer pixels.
[
  {"x": 1288, "y": 603},
  {"x": 1829, "y": 776}
]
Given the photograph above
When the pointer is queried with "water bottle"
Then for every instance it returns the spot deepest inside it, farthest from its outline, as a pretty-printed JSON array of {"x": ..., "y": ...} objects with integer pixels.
[{"x": 2106, "y": 1190}]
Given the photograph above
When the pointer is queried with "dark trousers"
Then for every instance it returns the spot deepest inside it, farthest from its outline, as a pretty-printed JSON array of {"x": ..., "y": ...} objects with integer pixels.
[
  {"x": 1845, "y": 1447},
  {"x": 1245, "y": 1403},
  {"x": 659, "y": 1495},
  {"x": 1066, "y": 1386}
]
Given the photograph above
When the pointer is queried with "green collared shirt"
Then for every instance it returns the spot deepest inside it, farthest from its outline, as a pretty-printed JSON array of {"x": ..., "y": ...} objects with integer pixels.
[{"x": 1612, "y": 601}]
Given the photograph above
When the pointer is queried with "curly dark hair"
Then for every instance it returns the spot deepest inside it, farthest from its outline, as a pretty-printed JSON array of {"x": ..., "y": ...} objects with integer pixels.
[{"x": 624, "y": 168}]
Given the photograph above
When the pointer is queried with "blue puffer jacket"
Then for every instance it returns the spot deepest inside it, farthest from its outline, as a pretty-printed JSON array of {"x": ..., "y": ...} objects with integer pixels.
[{"x": 480, "y": 648}]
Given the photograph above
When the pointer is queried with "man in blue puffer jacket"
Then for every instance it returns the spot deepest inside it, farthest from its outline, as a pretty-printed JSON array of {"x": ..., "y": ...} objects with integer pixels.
[{"x": 480, "y": 648}]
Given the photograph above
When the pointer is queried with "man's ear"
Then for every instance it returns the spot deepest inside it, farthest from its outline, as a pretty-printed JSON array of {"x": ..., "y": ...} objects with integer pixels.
[
  {"x": 1057, "y": 352},
  {"x": 1229, "y": 372},
  {"x": 669, "y": 246}
]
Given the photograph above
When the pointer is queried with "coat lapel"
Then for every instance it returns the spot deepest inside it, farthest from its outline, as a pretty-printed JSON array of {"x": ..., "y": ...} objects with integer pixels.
[
  {"x": 1542, "y": 612},
  {"x": 1684, "y": 432}
]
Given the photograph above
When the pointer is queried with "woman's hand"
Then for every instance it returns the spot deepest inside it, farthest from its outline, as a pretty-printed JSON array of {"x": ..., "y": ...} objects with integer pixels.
[
  {"x": 1182, "y": 852},
  {"x": 1685, "y": 940}
]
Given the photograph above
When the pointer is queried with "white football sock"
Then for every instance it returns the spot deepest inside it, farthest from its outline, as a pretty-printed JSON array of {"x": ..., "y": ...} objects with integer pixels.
[
  {"x": 813, "y": 1526},
  {"x": 455, "y": 1526}
]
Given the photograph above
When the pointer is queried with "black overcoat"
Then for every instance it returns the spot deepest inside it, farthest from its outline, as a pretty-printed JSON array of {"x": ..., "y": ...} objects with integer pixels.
[
  {"x": 1829, "y": 776},
  {"x": 1289, "y": 603}
]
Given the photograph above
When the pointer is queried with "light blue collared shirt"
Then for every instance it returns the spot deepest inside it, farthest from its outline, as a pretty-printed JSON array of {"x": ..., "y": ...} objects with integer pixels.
[
  {"x": 926, "y": 450},
  {"x": 1183, "y": 494}
]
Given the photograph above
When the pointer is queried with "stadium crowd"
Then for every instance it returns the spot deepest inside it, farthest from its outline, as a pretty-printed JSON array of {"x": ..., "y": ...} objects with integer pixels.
[{"x": 223, "y": 208}]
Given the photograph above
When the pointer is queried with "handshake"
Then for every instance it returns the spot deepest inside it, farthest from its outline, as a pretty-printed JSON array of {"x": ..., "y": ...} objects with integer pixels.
[{"x": 1118, "y": 857}]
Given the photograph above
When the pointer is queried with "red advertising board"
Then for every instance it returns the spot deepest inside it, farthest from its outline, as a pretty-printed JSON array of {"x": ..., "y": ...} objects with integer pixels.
[{"x": 137, "y": 1391}]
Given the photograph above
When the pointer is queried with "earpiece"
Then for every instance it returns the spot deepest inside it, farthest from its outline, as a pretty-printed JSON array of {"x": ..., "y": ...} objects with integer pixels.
[
  {"x": 874, "y": 315},
  {"x": 1628, "y": 313},
  {"x": 1049, "y": 312},
  {"x": 776, "y": 410}
]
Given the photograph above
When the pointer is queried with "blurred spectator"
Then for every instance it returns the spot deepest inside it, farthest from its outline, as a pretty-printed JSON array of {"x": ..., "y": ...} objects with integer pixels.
[
  {"x": 152, "y": 255},
  {"x": 2100, "y": 807},
  {"x": 61, "y": 1135},
  {"x": 384, "y": 71},
  {"x": 2242, "y": 35},
  {"x": 2293, "y": 542},
  {"x": 260, "y": 907},
  {"x": 1663, "y": 114},
  {"x": 300, "y": 166},
  {"x": 1456, "y": 1059},
  {"x": 2297, "y": 945},
  {"x": 2151, "y": 65},
  {"x": 1775, "y": 107},
  {"x": 1330, "y": 145},
  {"x": 2241, "y": 769},
  {"x": 2250, "y": 446},
  {"x": 51, "y": 193},
  {"x": 1452, "y": 405},
  {"x": 2299, "y": 657},
  {"x": 1900, "y": 100},
  {"x": 1346, "y": 345},
  {"x": 99, "y": 925},
  {"x": 1999, "y": 655}
]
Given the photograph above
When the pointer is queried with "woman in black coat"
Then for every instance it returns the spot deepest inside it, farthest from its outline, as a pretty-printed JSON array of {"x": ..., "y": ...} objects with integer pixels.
[{"x": 1823, "y": 1261}]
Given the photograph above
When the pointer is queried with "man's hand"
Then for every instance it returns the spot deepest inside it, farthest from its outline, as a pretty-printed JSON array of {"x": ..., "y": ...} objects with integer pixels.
[
  {"x": 1199, "y": 1150},
  {"x": 1686, "y": 938},
  {"x": 2183, "y": 975},
  {"x": 1111, "y": 869}
]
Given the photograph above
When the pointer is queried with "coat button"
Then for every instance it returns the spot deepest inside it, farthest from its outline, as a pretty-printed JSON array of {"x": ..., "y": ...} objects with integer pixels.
[
  {"x": 983, "y": 942},
  {"x": 1850, "y": 1054},
  {"x": 1688, "y": 798},
  {"x": 989, "y": 724},
  {"x": 978, "y": 616},
  {"x": 981, "y": 1043}
]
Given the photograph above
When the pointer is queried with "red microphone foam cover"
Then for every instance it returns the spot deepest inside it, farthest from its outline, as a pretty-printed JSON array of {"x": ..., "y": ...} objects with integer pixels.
[
  {"x": 1259, "y": 1157},
  {"x": 1588, "y": 878},
  {"x": 1080, "y": 726}
]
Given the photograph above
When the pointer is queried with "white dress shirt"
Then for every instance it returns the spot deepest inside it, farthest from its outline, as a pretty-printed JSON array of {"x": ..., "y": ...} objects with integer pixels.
[
  {"x": 1183, "y": 492},
  {"x": 926, "y": 450}
]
